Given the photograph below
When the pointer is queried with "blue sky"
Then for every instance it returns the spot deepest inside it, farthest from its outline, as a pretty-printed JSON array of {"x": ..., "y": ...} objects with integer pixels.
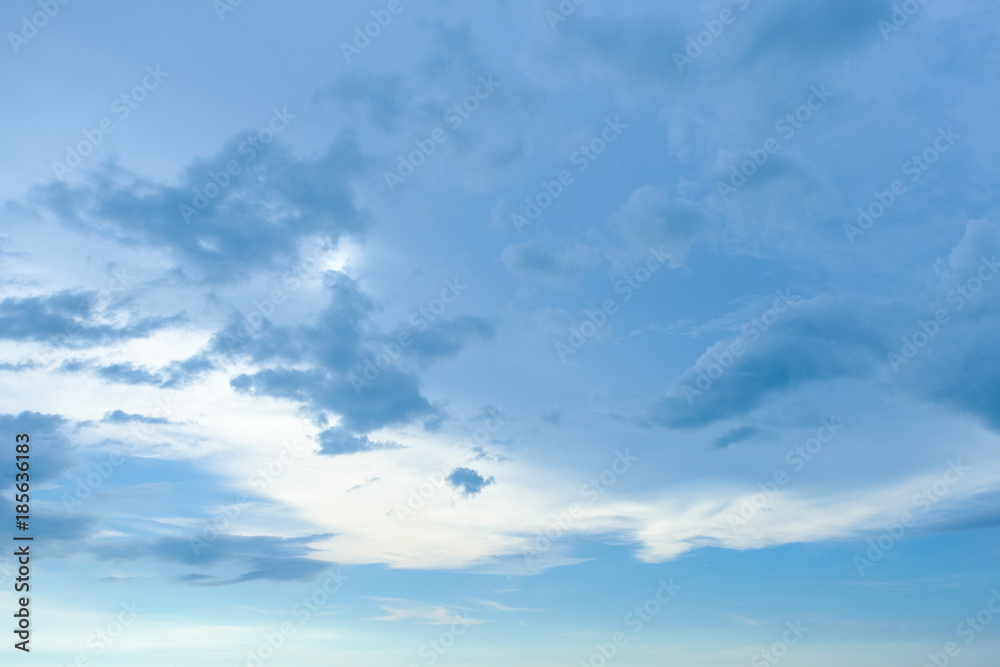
[{"x": 513, "y": 333}]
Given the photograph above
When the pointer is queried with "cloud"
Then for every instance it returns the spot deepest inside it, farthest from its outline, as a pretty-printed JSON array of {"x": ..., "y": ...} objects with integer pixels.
[
  {"x": 813, "y": 31},
  {"x": 271, "y": 558},
  {"x": 539, "y": 261},
  {"x": 121, "y": 417},
  {"x": 958, "y": 365},
  {"x": 735, "y": 436},
  {"x": 332, "y": 350},
  {"x": 394, "y": 398},
  {"x": 51, "y": 450},
  {"x": 980, "y": 240},
  {"x": 469, "y": 481},
  {"x": 69, "y": 318},
  {"x": 639, "y": 48},
  {"x": 819, "y": 340},
  {"x": 336, "y": 441},
  {"x": 551, "y": 414},
  {"x": 445, "y": 338},
  {"x": 651, "y": 218},
  {"x": 253, "y": 223},
  {"x": 382, "y": 98},
  {"x": 404, "y": 610},
  {"x": 270, "y": 569},
  {"x": 128, "y": 373}
]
